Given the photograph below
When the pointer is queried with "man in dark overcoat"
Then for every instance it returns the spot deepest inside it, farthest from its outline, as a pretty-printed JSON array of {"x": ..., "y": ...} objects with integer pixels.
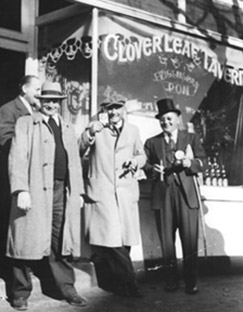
[{"x": 174, "y": 158}]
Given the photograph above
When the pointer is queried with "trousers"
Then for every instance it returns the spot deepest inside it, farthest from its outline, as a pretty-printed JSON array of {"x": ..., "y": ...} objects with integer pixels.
[
  {"x": 176, "y": 214},
  {"x": 60, "y": 267},
  {"x": 119, "y": 263}
]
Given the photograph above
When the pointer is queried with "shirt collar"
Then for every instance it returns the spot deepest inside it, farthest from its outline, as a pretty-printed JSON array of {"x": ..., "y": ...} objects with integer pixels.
[
  {"x": 173, "y": 135},
  {"x": 55, "y": 117}
]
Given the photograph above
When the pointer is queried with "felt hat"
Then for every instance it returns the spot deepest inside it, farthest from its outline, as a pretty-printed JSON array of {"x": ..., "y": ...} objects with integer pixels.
[
  {"x": 166, "y": 106},
  {"x": 51, "y": 90}
]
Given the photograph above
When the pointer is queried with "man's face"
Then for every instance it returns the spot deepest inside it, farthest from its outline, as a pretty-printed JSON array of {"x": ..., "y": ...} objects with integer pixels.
[
  {"x": 169, "y": 122},
  {"x": 32, "y": 89},
  {"x": 115, "y": 114},
  {"x": 50, "y": 107}
]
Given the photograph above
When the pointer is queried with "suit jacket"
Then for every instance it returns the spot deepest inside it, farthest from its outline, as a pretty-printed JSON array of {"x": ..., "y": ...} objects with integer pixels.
[
  {"x": 155, "y": 151},
  {"x": 9, "y": 113}
]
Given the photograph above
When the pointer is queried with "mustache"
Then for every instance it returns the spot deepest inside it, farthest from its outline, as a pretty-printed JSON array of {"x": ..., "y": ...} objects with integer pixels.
[{"x": 50, "y": 107}]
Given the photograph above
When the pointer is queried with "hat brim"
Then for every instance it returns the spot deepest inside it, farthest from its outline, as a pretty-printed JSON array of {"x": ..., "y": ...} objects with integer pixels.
[
  {"x": 47, "y": 96},
  {"x": 116, "y": 104},
  {"x": 177, "y": 111}
]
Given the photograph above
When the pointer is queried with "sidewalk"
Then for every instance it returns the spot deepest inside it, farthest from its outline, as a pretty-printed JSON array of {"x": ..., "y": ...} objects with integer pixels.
[{"x": 216, "y": 294}]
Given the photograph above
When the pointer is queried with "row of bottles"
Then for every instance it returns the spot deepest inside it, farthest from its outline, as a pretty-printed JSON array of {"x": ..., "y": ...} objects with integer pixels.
[{"x": 215, "y": 174}]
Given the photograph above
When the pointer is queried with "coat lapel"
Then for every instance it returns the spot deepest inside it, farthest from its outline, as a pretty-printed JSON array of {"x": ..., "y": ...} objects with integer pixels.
[
  {"x": 159, "y": 146},
  {"x": 181, "y": 141},
  {"x": 21, "y": 107}
]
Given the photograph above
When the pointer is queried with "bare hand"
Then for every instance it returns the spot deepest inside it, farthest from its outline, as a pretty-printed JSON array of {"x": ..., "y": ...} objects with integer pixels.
[
  {"x": 186, "y": 162},
  {"x": 24, "y": 201},
  {"x": 131, "y": 163},
  {"x": 158, "y": 168},
  {"x": 95, "y": 126},
  {"x": 81, "y": 201}
]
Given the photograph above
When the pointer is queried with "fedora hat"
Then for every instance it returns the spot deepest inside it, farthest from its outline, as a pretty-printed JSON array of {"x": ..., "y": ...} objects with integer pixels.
[
  {"x": 117, "y": 103},
  {"x": 166, "y": 106},
  {"x": 51, "y": 90}
]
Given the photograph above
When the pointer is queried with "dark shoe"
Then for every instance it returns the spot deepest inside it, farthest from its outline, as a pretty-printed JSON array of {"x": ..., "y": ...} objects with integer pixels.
[
  {"x": 121, "y": 291},
  {"x": 171, "y": 285},
  {"x": 20, "y": 304},
  {"x": 77, "y": 301},
  {"x": 191, "y": 290},
  {"x": 172, "y": 276},
  {"x": 135, "y": 290},
  {"x": 129, "y": 290}
]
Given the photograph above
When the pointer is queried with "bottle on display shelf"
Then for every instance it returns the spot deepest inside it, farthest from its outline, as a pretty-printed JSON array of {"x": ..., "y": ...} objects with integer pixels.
[
  {"x": 225, "y": 181},
  {"x": 213, "y": 176},
  {"x": 218, "y": 172},
  {"x": 219, "y": 176},
  {"x": 207, "y": 179},
  {"x": 212, "y": 172}
]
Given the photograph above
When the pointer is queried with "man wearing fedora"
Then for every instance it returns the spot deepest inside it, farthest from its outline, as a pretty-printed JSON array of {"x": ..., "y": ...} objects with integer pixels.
[
  {"x": 111, "y": 211},
  {"x": 174, "y": 158},
  {"x": 47, "y": 186}
]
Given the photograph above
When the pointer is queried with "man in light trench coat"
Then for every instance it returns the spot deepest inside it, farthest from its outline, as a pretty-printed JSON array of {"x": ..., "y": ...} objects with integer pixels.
[
  {"x": 24, "y": 104},
  {"x": 46, "y": 185},
  {"x": 111, "y": 213}
]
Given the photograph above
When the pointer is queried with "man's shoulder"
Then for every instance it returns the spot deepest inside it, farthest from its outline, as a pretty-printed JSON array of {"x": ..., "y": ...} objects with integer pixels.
[
  {"x": 130, "y": 125},
  {"x": 186, "y": 133},
  {"x": 155, "y": 138},
  {"x": 25, "y": 119},
  {"x": 11, "y": 106},
  {"x": 67, "y": 124},
  {"x": 132, "y": 128}
]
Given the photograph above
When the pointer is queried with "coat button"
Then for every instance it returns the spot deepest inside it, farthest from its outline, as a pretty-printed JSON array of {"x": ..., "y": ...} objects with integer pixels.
[{"x": 44, "y": 188}]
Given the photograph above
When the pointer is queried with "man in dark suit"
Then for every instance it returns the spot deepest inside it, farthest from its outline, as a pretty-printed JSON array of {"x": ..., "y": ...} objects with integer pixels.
[
  {"x": 174, "y": 158},
  {"x": 23, "y": 104}
]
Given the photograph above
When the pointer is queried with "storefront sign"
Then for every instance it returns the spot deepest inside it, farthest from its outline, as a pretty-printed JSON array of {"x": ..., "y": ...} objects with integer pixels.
[{"x": 129, "y": 51}]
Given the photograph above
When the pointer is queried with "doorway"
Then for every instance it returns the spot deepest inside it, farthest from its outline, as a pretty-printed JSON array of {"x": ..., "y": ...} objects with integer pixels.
[{"x": 12, "y": 68}]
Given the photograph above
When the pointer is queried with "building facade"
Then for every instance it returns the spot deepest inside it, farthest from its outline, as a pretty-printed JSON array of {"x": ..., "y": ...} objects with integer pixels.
[{"x": 187, "y": 50}]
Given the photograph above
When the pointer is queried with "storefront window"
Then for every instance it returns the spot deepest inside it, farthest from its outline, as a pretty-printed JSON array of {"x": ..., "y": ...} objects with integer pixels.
[
  {"x": 46, "y": 6},
  {"x": 65, "y": 51},
  {"x": 143, "y": 62}
]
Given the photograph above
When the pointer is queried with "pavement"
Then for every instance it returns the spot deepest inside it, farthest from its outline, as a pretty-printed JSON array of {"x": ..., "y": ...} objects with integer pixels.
[{"x": 217, "y": 293}]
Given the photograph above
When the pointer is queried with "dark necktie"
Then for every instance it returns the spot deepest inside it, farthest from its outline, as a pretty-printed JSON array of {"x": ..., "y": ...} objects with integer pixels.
[
  {"x": 171, "y": 143},
  {"x": 172, "y": 148},
  {"x": 52, "y": 123}
]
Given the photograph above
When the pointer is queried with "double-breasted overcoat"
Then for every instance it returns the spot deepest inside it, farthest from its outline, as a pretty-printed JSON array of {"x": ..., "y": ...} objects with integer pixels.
[
  {"x": 31, "y": 166},
  {"x": 111, "y": 215}
]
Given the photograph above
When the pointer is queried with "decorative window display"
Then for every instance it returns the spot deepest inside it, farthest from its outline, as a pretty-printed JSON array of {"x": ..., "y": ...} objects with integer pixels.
[{"x": 143, "y": 62}]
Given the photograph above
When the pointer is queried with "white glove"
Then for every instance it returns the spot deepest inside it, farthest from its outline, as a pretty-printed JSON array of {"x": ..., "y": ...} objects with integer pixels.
[{"x": 24, "y": 201}]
